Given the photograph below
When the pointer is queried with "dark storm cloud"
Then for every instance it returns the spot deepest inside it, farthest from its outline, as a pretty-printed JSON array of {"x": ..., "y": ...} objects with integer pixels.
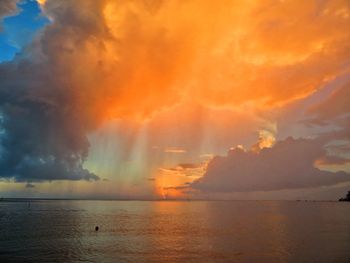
[
  {"x": 42, "y": 129},
  {"x": 41, "y": 136}
]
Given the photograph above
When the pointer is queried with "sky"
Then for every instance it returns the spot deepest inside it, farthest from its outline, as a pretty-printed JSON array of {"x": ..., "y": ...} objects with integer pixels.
[{"x": 153, "y": 99}]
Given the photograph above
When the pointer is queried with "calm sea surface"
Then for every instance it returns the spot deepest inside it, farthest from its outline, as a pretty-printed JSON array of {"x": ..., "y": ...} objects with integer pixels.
[{"x": 140, "y": 231}]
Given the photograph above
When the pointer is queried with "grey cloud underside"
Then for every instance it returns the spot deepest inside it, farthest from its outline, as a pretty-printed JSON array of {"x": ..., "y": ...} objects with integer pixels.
[
  {"x": 287, "y": 165},
  {"x": 41, "y": 138},
  {"x": 43, "y": 130}
]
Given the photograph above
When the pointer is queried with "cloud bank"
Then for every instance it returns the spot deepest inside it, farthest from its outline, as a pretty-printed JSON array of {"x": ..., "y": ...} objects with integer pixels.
[{"x": 288, "y": 164}]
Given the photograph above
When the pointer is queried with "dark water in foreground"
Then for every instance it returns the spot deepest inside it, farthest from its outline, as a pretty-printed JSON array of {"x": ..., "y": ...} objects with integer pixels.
[{"x": 131, "y": 231}]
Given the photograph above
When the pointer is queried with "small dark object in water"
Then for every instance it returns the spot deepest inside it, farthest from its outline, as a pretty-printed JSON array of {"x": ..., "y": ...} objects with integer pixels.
[
  {"x": 345, "y": 199},
  {"x": 96, "y": 228}
]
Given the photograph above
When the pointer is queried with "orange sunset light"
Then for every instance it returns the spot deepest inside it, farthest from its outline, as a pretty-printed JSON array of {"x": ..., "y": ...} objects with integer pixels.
[{"x": 134, "y": 89}]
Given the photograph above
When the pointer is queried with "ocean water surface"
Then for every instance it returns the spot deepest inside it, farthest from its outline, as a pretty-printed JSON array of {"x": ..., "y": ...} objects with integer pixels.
[{"x": 171, "y": 231}]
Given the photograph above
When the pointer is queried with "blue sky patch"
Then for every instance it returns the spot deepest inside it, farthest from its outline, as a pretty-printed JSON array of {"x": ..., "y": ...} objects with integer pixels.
[{"x": 19, "y": 30}]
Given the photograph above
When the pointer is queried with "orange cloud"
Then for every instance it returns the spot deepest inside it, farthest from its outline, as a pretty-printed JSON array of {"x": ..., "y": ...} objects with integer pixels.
[
  {"x": 133, "y": 58},
  {"x": 41, "y": 2}
]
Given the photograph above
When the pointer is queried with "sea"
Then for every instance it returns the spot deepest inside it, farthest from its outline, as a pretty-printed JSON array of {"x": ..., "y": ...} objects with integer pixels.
[{"x": 174, "y": 231}]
